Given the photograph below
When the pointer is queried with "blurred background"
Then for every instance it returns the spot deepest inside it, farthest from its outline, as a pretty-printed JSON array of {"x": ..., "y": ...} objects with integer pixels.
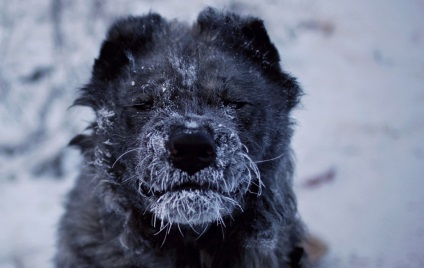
[{"x": 359, "y": 138}]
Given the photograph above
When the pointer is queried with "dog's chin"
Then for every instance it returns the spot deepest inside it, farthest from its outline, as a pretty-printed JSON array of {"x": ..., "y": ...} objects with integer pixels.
[{"x": 193, "y": 207}]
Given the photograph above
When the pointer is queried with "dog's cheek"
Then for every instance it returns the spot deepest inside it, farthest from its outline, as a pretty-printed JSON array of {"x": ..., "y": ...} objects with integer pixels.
[
  {"x": 247, "y": 117},
  {"x": 252, "y": 124},
  {"x": 134, "y": 121}
]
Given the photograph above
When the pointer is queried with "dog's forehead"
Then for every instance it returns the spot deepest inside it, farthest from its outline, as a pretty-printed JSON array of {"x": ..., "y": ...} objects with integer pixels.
[{"x": 191, "y": 68}]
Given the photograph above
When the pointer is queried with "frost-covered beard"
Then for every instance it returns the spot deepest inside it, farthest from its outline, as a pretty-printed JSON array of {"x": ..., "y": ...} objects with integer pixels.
[{"x": 209, "y": 194}]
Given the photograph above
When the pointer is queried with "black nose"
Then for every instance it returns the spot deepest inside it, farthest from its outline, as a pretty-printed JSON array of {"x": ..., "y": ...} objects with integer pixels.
[{"x": 192, "y": 152}]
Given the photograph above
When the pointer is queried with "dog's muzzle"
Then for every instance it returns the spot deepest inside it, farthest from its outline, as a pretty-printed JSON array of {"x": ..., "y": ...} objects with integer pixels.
[{"x": 195, "y": 175}]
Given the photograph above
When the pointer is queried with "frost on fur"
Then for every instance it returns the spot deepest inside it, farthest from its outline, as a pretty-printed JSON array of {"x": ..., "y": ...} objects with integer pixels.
[
  {"x": 193, "y": 207},
  {"x": 104, "y": 119},
  {"x": 222, "y": 184}
]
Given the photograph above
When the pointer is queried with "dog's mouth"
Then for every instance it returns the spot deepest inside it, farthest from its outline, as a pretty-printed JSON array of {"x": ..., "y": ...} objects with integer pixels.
[
  {"x": 192, "y": 203},
  {"x": 193, "y": 206},
  {"x": 175, "y": 181},
  {"x": 187, "y": 187}
]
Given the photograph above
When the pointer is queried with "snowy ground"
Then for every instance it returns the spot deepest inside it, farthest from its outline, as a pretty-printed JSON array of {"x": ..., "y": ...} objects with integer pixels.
[{"x": 359, "y": 140}]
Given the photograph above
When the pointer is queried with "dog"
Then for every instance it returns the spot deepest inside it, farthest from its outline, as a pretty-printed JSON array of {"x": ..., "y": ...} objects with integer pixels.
[{"x": 188, "y": 162}]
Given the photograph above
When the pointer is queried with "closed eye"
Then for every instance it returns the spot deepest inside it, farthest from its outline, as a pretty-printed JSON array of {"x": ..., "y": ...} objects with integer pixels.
[
  {"x": 142, "y": 106},
  {"x": 237, "y": 104}
]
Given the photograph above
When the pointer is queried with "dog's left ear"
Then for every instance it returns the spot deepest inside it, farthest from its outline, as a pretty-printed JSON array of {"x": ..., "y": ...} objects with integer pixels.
[
  {"x": 248, "y": 36},
  {"x": 258, "y": 45}
]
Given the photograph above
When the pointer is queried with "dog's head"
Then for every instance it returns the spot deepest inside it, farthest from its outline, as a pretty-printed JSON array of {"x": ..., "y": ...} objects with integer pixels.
[{"x": 185, "y": 114}]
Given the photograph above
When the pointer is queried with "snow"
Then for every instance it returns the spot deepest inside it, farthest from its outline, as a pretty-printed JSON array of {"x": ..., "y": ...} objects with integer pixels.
[
  {"x": 191, "y": 124},
  {"x": 361, "y": 64},
  {"x": 103, "y": 118}
]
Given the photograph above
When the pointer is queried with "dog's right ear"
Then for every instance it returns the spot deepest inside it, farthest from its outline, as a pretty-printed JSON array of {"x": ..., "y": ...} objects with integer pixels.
[{"x": 130, "y": 35}]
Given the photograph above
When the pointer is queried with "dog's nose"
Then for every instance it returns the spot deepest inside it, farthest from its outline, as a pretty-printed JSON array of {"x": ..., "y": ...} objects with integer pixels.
[{"x": 192, "y": 152}]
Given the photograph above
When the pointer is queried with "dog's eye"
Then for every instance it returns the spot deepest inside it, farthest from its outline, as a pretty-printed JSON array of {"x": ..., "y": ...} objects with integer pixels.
[
  {"x": 142, "y": 105},
  {"x": 237, "y": 104},
  {"x": 146, "y": 106}
]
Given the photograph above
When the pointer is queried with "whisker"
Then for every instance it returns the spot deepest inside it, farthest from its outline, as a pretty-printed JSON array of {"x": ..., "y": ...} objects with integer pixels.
[
  {"x": 251, "y": 166},
  {"x": 161, "y": 228},
  {"x": 122, "y": 155},
  {"x": 272, "y": 159},
  {"x": 204, "y": 231},
  {"x": 222, "y": 225},
  {"x": 179, "y": 228}
]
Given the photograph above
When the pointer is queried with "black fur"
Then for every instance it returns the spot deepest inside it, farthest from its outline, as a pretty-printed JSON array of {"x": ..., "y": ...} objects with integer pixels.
[{"x": 154, "y": 80}]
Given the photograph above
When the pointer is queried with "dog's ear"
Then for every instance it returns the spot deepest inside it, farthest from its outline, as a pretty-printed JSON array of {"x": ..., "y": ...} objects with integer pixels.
[
  {"x": 248, "y": 36},
  {"x": 244, "y": 34},
  {"x": 131, "y": 35},
  {"x": 126, "y": 39}
]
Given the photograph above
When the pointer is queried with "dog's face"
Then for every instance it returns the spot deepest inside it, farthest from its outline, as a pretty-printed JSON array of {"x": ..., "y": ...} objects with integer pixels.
[
  {"x": 191, "y": 163},
  {"x": 184, "y": 115}
]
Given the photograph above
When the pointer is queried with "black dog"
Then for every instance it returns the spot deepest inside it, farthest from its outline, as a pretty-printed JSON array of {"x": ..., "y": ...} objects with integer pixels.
[{"x": 188, "y": 161}]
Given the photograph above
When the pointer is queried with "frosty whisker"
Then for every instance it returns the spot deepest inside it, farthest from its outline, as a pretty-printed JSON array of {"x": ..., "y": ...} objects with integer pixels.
[
  {"x": 272, "y": 159},
  {"x": 122, "y": 155},
  {"x": 179, "y": 229},
  {"x": 204, "y": 231},
  {"x": 162, "y": 227}
]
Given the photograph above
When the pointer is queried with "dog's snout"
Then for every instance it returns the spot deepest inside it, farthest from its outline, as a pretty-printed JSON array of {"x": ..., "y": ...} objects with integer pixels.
[{"x": 192, "y": 152}]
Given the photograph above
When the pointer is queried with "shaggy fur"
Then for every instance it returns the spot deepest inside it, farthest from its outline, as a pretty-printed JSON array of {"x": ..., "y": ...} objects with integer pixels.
[{"x": 188, "y": 161}]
